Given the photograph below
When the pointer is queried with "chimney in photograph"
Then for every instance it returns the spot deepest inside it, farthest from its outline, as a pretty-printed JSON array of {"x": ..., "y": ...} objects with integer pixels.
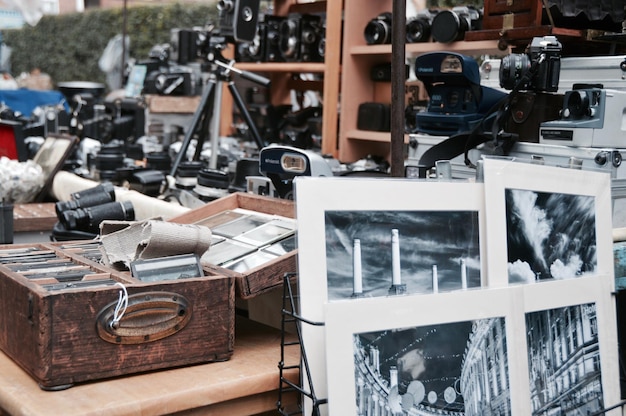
[
  {"x": 357, "y": 273},
  {"x": 397, "y": 287}
]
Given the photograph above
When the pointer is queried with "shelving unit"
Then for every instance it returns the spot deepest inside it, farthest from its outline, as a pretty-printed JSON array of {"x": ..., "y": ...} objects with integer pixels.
[
  {"x": 280, "y": 73},
  {"x": 357, "y": 86}
]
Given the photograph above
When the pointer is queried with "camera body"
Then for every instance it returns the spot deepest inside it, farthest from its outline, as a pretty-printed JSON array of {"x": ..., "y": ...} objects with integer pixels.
[
  {"x": 450, "y": 25},
  {"x": 282, "y": 164},
  {"x": 537, "y": 70},
  {"x": 591, "y": 117},
  {"x": 238, "y": 19},
  {"x": 418, "y": 27},
  {"x": 457, "y": 100},
  {"x": 272, "y": 38},
  {"x": 378, "y": 30},
  {"x": 254, "y": 50},
  {"x": 300, "y": 38}
]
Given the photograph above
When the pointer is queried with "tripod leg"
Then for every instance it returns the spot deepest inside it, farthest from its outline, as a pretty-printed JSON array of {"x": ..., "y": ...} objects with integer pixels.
[
  {"x": 246, "y": 114},
  {"x": 201, "y": 112}
]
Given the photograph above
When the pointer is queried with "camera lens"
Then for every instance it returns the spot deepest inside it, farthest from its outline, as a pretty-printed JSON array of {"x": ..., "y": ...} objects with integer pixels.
[
  {"x": 449, "y": 27},
  {"x": 417, "y": 30},
  {"x": 289, "y": 38},
  {"x": 225, "y": 5},
  {"x": 378, "y": 30},
  {"x": 512, "y": 68}
]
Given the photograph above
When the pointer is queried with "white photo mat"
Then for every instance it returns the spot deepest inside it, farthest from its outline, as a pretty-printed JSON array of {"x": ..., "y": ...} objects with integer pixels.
[
  {"x": 418, "y": 311},
  {"x": 555, "y": 207},
  {"x": 576, "y": 295},
  {"x": 316, "y": 195},
  {"x": 513, "y": 303}
]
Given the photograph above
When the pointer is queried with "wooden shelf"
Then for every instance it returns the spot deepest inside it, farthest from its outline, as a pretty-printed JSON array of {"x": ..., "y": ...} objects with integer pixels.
[
  {"x": 280, "y": 73},
  {"x": 484, "y": 47},
  {"x": 291, "y": 67},
  {"x": 372, "y": 136},
  {"x": 357, "y": 87}
]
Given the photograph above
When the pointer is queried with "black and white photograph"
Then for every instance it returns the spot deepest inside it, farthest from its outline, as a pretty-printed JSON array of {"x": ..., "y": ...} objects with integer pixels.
[
  {"x": 546, "y": 223},
  {"x": 380, "y": 253},
  {"x": 443, "y": 369},
  {"x": 405, "y": 231},
  {"x": 549, "y": 235},
  {"x": 564, "y": 362}
]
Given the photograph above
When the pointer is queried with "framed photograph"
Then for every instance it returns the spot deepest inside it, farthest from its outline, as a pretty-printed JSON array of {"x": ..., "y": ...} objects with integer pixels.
[
  {"x": 51, "y": 156},
  {"x": 239, "y": 226},
  {"x": 268, "y": 233},
  {"x": 572, "y": 359},
  {"x": 546, "y": 222},
  {"x": 411, "y": 237},
  {"x": 538, "y": 349},
  {"x": 221, "y": 218},
  {"x": 226, "y": 251},
  {"x": 417, "y": 355}
]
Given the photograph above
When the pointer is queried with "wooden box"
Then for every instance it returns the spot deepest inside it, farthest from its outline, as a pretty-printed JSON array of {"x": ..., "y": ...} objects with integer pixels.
[
  {"x": 58, "y": 317},
  {"x": 258, "y": 279}
]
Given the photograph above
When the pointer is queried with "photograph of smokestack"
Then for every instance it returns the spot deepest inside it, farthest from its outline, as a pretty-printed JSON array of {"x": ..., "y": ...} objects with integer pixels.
[{"x": 389, "y": 253}]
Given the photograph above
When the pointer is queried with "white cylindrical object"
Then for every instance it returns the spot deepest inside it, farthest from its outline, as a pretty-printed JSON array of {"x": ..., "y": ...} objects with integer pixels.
[
  {"x": 393, "y": 376},
  {"x": 435, "y": 280},
  {"x": 357, "y": 273},
  {"x": 463, "y": 274},
  {"x": 395, "y": 258}
]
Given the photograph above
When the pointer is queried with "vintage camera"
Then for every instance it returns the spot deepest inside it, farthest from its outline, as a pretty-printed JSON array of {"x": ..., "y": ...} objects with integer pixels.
[
  {"x": 186, "y": 45},
  {"x": 457, "y": 100},
  {"x": 450, "y": 25},
  {"x": 238, "y": 19},
  {"x": 272, "y": 38},
  {"x": 300, "y": 36},
  {"x": 254, "y": 50},
  {"x": 169, "y": 82},
  {"x": 591, "y": 117},
  {"x": 378, "y": 30},
  {"x": 537, "y": 70},
  {"x": 282, "y": 164},
  {"x": 418, "y": 28}
]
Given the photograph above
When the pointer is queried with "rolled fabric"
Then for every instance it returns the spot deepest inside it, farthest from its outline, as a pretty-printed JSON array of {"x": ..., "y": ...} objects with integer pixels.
[{"x": 152, "y": 239}]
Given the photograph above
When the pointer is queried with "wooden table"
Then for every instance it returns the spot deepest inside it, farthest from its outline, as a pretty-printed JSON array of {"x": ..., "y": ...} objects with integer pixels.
[
  {"x": 247, "y": 384},
  {"x": 34, "y": 217}
]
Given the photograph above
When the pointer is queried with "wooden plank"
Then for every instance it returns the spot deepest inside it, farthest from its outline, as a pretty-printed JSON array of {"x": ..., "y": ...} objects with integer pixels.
[{"x": 34, "y": 217}]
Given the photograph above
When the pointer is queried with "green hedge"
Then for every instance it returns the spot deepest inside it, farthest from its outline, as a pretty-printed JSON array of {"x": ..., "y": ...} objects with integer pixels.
[{"x": 68, "y": 47}]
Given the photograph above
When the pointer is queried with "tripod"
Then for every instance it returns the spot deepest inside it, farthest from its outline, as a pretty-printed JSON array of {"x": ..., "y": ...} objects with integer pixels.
[{"x": 210, "y": 105}]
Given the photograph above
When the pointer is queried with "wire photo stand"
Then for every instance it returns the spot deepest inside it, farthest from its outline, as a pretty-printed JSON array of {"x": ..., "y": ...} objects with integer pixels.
[{"x": 290, "y": 317}]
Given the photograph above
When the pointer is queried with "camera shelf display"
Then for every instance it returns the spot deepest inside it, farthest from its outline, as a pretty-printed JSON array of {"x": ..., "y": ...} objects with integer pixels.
[
  {"x": 357, "y": 86},
  {"x": 281, "y": 73}
]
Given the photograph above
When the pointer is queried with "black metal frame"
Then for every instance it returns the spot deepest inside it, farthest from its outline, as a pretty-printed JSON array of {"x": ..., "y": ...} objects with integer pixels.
[{"x": 289, "y": 316}]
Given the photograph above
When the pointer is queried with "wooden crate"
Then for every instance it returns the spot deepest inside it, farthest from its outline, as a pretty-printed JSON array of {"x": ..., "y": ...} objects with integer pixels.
[
  {"x": 267, "y": 276},
  {"x": 61, "y": 332}
]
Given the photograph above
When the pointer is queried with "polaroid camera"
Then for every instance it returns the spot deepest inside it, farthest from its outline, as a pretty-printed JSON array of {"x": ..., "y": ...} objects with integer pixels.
[
  {"x": 457, "y": 100},
  {"x": 591, "y": 117},
  {"x": 281, "y": 164}
]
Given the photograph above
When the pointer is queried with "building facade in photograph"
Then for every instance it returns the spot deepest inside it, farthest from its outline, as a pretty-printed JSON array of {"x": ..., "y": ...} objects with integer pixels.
[
  {"x": 564, "y": 361},
  {"x": 484, "y": 374}
]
